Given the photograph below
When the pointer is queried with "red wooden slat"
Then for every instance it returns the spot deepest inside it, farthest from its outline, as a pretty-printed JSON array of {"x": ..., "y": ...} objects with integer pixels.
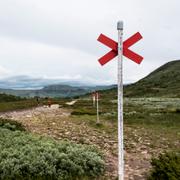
[
  {"x": 108, "y": 42},
  {"x": 107, "y": 57},
  {"x": 132, "y": 55},
  {"x": 132, "y": 40}
]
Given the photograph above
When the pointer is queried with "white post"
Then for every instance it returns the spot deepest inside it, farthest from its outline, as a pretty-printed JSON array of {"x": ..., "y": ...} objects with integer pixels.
[
  {"x": 94, "y": 99},
  {"x": 120, "y": 102},
  {"x": 97, "y": 100}
]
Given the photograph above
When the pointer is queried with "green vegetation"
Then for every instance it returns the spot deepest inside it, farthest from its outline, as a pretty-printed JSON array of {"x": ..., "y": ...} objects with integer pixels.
[
  {"x": 11, "y": 125},
  {"x": 9, "y": 98},
  {"x": 25, "y": 156},
  {"x": 83, "y": 107},
  {"x": 154, "y": 117},
  {"x": 10, "y": 103},
  {"x": 17, "y": 105},
  {"x": 166, "y": 166}
]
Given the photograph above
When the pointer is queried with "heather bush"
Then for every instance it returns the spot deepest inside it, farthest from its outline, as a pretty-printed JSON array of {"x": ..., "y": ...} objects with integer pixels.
[
  {"x": 165, "y": 167},
  {"x": 11, "y": 125},
  {"x": 25, "y": 156}
]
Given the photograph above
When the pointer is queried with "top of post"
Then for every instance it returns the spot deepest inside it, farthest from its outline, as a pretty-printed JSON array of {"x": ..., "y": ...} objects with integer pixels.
[{"x": 120, "y": 25}]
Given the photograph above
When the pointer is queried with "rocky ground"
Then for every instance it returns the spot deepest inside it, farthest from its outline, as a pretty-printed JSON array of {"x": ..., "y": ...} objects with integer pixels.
[{"x": 57, "y": 123}]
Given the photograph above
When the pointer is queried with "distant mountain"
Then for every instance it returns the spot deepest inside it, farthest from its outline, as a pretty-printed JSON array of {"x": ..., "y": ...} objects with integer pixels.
[
  {"x": 164, "y": 81},
  {"x": 27, "y": 82},
  {"x": 25, "y": 86},
  {"x": 58, "y": 90}
]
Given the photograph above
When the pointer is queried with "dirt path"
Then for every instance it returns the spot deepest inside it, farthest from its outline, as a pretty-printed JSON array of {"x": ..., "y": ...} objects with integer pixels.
[
  {"x": 71, "y": 102},
  {"x": 56, "y": 122}
]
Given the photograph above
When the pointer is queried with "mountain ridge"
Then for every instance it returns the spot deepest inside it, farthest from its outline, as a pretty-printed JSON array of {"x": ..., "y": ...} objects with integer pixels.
[
  {"x": 164, "y": 81},
  {"x": 21, "y": 82},
  {"x": 56, "y": 90}
]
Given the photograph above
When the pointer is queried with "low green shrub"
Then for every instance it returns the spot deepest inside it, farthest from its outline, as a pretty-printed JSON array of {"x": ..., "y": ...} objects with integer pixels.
[
  {"x": 170, "y": 110},
  {"x": 9, "y": 98},
  {"x": 166, "y": 167},
  {"x": 27, "y": 157},
  {"x": 17, "y": 105},
  {"x": 11, "y": 125},
  {"x": 83, "y": 112}
]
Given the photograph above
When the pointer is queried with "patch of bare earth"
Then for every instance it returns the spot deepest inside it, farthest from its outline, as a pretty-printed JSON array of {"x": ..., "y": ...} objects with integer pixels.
[{"x": 56, "y": 122}]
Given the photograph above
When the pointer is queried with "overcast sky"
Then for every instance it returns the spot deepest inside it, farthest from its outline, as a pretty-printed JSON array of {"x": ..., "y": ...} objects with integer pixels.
[{"x": 57, "y": 38}]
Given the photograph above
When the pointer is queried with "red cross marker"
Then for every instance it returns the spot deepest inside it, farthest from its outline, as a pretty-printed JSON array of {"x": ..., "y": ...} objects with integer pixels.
[{"x": 114, "y": 46}]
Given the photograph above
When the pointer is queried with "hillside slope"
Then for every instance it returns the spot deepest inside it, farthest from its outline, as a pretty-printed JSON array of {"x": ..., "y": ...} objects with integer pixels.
[{"x": 164, "y": 81}]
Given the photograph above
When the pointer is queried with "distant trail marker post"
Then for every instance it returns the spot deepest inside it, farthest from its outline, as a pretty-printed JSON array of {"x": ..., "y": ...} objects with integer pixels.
[
  {"x": 119, "y": 49},
  {"x": 94, "y": 98},
  {"x": 97, "y": 101}
]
